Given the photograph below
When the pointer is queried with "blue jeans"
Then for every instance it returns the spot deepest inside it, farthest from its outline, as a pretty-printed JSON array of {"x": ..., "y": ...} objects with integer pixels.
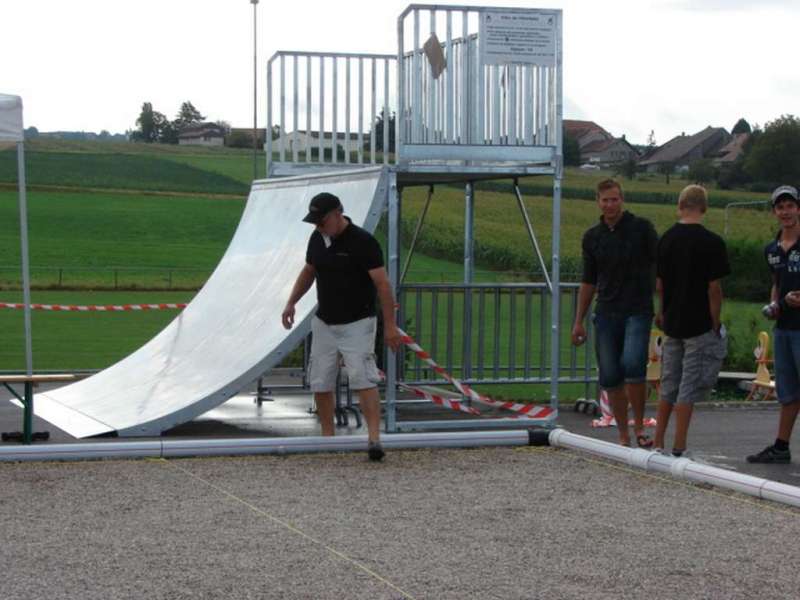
[
  {"x": 787, "y": 365},
  {"x": 621, "y": 343}
]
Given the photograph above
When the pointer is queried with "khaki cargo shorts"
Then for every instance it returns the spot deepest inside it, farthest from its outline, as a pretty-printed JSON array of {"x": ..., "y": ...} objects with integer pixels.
[
  {"x": 690, "y": 367},
  {"x": 354, "y": 344}
]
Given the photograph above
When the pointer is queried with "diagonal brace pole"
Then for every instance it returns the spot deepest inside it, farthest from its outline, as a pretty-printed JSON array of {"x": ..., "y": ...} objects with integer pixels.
[
  {"x": 417, "y": 231},
  {"x": 532, "y": 235}
]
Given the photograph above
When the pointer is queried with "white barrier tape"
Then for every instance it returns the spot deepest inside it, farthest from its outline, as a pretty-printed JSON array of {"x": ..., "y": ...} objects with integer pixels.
[
  {"x": 94, "y": 307},
  {"x": 527, "y": 411}
]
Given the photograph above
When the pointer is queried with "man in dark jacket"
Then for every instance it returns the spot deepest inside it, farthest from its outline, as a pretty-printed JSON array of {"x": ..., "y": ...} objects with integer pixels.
[{"x": 618, "y": 257}]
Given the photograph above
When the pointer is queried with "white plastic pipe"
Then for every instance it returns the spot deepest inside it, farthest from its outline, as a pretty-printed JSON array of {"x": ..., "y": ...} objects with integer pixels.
[
  {"x": 172, "y": 448},
  {"x": 680, "y": 468}
]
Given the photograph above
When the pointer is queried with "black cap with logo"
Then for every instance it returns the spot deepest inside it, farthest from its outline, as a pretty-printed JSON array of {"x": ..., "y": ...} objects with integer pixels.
[{"x": 320, "y": 206}]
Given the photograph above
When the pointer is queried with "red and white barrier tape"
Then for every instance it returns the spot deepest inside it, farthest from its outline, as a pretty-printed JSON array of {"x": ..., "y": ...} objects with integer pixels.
[
  {"x": 607, "y": 419},
  {"x": 526, "y": 411},
  {"x": 94, "y": 307},
  {"x": 440, "y": 400}
]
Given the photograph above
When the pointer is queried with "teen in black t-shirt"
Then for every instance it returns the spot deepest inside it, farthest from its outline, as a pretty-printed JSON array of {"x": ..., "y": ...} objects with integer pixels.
[
  {"x": 691, "y": 261},
  {"x": 689, "y": 257}
]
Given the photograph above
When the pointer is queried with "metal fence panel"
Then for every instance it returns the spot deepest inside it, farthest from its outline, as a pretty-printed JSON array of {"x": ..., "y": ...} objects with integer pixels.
[{"x": 499, "y": 344}]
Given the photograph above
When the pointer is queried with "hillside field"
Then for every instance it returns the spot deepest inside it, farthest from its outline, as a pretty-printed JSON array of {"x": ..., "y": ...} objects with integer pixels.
[{"x": 176, "y": 208}]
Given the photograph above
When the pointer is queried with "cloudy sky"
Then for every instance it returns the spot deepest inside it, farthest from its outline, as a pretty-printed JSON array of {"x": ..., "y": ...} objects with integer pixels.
[{"x": 632, "y": 66}]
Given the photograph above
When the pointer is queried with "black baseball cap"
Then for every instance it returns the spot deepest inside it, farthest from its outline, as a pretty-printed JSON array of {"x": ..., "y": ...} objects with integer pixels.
[
  {"x": 785, "y": 192},
  {"x": 320, "y": 206}
]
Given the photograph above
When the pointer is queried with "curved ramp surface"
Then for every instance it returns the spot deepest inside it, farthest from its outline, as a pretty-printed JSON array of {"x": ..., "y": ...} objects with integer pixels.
[{"x": 231, "y": 332}]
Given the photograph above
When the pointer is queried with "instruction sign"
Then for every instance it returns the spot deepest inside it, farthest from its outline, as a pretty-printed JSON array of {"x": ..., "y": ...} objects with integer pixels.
[{"x": 518, "y": 37}]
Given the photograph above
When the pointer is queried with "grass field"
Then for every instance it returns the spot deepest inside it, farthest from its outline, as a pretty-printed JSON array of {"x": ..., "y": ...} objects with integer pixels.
[
  {"x": 136, "y": 172},
  {"x": 103, "y": 163},
  {"x": 91, "y": 233},
  {"x": 67, "y": 340},
  {"x": 108, "y": 230},
  {"x": 501, "y": 239}
]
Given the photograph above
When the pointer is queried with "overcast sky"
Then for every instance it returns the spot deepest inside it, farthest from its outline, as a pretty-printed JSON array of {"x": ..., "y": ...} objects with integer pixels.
[{"x": 632, "y": 66}]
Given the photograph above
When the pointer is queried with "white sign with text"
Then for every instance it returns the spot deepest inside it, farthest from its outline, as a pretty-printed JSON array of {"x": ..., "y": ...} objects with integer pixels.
[{"x": 518, "y": 37}]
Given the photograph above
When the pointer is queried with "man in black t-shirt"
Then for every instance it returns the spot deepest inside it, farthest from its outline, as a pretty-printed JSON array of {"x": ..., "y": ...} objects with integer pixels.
[
  {"x": 691, "y": 261},
  {"x": 347, "y": 264},
  {"x": 618, "y": 257},
  {"x": 783, "y": 260}
]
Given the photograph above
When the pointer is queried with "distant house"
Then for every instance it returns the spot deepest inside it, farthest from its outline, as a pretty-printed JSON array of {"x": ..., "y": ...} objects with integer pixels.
[
  {"x": 608, "y": 152},
  {"x": 585, "y": 132},
  {"x": 597, "y": 145},
  {"x": 732, "y": 150},
  {"x": 302, "y": 139},
  {"x": 681, "y": 151},
  {"x": 202, "y": 134}
]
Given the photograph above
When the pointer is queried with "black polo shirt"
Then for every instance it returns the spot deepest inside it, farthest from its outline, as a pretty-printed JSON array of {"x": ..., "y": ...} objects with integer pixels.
[
  {"x": 785, "y": 268},
  {"x": 689, "y": 258},
  {"x": 619, "y": 262},
  {"x": 345, "y": 292}
]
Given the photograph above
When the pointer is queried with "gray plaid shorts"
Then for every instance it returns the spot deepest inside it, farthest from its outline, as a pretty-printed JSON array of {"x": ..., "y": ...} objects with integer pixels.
[{"x": 690, "y": 366}]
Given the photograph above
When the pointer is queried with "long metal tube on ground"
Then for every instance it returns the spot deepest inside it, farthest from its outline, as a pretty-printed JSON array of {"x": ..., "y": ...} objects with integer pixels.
[
  {"x": 679, "y": 468},
  {"x": 244, "y": 446}
]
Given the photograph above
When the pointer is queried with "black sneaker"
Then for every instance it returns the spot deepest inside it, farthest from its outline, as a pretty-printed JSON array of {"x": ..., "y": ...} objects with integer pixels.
[
  {"x": 375, "y": 451},
  {"x": 771, "y": 454}
]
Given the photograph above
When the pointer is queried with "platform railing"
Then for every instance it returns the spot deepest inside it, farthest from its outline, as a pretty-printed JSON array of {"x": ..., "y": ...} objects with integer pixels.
[
  {"x": 453, "y": 115},
  {"x": 330, "y": 108},
  {"x": 505, "y": 340}
]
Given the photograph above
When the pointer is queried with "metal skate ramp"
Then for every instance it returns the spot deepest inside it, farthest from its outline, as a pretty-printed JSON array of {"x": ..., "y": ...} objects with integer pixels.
[{"x": 231, "y": 332}]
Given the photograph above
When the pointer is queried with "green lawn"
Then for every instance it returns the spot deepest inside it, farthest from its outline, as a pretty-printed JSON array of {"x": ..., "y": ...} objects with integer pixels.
[
  {"x": 235, "y": 167},
  {"x": 88, "y": 234},
  {"x": 122, "y": 172},
  {"x": 110, "y": 230},
  {"x": 501, "y": 239},
  {"x": 72, "y": 340}
]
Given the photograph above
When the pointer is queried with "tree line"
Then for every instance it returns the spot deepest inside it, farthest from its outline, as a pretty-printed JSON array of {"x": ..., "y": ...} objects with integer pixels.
[{"x": 153, "y": 126}]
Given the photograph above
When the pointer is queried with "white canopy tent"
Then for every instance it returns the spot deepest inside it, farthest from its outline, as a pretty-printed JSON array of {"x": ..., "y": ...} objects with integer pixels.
[
  {"x": 11, "y": 132},
  {"x": 10, "y": 118}
]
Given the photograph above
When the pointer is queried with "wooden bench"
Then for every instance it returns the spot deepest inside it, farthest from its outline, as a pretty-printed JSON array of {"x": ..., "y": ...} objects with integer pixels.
[
  {"x": 736, "y": 375},
  {"x": 27, "y": 435}
]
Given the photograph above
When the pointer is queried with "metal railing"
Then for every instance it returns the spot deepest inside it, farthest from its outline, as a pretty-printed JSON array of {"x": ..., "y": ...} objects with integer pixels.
[
  {"x": 453, "y": 99},
  {"x": 504, "y": 340},
  {"x": 513, "y": 107},
  {"x": 762, "y": 203},
  {"x": 329, "y": 105}
]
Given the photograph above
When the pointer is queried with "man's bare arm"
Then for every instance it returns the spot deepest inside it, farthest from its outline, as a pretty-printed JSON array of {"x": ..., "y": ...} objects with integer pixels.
[
  {"x": 585, "y": 296},
  {"x": 715, "y": 303},
  {"x": 301, "y": 286},
  {"x": 391, "y": 335}
]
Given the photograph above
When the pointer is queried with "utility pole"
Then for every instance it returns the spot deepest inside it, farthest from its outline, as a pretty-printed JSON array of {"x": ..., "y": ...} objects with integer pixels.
[{"x": 255, "y": 92}]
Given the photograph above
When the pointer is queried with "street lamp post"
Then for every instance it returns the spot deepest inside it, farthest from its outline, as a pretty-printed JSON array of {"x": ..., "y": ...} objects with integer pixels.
[{"x": 255, "y": 94}]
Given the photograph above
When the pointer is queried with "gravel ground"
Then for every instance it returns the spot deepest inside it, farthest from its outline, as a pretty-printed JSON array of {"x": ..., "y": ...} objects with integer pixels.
[{"x": 489, "y": 523}]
